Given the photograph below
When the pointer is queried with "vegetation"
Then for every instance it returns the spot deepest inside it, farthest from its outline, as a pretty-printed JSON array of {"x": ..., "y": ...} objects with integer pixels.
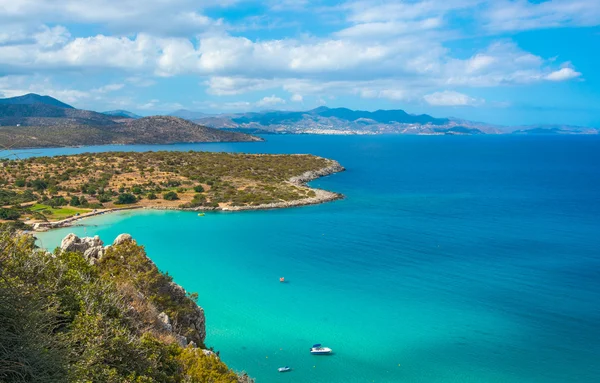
[
  {"x": 64, "y": 320},
  {"x": 186, "y": 180},
  {"x": 170, "y": 196},
  {"x": 48, "y": 126}
]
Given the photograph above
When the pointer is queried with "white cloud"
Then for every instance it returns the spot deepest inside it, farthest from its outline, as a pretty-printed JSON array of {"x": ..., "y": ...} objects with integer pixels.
[
  {"x": 270, "y": 101},
  {"x": 386, "y": 49},
  {"x": 450, "y": 98},
  {"x": 563, "y": 74},
  {"x": 504, "y": 15}
]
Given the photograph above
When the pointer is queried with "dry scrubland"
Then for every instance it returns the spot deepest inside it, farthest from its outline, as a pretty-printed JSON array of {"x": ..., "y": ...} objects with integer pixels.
[{"x": 66, "y": 185}]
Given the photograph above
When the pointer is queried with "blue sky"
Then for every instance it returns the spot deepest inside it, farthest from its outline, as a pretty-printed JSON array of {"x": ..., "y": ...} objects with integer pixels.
[{"x": 500, "y": 61}]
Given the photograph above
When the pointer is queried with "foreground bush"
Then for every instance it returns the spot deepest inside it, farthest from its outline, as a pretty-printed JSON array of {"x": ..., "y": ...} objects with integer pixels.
[{"x": 65, "y": 320}]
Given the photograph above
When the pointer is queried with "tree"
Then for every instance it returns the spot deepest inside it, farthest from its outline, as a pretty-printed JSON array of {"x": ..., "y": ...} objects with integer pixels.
[
  {"x": 20, "y": 183},
  {"x": 9, "y": 214},
  {"x": 170, "y": 196},
  {"x": 198, "y": 189},
  {"x": 75, "y": 201},
  {"x": 125, "y": 198},
  {"x": 152, "y": 196}
]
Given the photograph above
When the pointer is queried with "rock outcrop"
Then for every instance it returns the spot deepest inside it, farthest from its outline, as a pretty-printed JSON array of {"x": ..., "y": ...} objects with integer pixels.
[
  {"x": 122, "y": 238},
  {"x": 91, "y": 247},
  {"x": 188, "y": 329}
]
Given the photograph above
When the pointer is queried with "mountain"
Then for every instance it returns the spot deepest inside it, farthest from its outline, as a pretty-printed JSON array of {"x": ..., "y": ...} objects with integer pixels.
[
  {"x": 121, "y": 113},
  {"x": 32, "y": 98},
  {"x": 188, "y": 114},
  {"x": 46, "y": 114},
  {"x": 146, "y": 130},
  {"x": 41, "y": 121},
  {"x": 170, "y": 130},
  {"x": 553, "y": 129},
  {"x": 324, "y": 120}
]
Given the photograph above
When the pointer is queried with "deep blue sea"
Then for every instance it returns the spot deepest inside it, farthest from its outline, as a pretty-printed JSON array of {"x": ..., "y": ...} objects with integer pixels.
[{"x": 452, "y": 259}]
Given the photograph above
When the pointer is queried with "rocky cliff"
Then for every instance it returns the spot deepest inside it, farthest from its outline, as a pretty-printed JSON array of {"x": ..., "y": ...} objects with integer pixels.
[{"x": 188, "y": 328}]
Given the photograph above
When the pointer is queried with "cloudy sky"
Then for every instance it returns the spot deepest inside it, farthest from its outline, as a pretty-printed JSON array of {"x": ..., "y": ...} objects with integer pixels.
[{"x": 500, "y": 61}]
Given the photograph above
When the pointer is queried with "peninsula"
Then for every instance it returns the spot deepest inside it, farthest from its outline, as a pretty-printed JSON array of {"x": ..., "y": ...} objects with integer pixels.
[{"x": 55, "y": 191}]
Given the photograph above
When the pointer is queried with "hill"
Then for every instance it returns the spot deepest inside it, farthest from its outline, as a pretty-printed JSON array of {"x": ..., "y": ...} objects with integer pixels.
[
  {"x": 147, "y": 130},
  {"x": 32, "y": 98},
  {"x": 121, "y": 113},
  {"x": 94, "y": 313},
  {"x": 45, "y": 115}
]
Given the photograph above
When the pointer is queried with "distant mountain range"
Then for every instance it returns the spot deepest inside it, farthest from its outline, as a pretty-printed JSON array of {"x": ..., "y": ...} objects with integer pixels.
[
  {"x": 42, "y": 121},
  {"x": 44, "y": 111},
  {"x": 325, "y": 120},
  {"x": 121, "y": 113}
]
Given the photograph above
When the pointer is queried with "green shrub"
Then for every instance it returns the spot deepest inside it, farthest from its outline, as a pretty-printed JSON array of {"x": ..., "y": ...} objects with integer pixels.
[
  {"x": 170, "y": 196},
  {"x": 198, "y": 188},
  {"x": 125, "y": 198}
]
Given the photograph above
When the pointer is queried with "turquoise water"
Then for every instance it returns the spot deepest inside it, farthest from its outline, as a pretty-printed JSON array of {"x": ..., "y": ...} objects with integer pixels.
[{"x": 452, "y": 259}]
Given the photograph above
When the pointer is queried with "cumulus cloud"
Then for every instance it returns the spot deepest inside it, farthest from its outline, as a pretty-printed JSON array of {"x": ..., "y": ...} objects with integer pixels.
[
  {"x": 270, "y": 101},
  {"x": 450, "y": 98},
  {"x": 563, "y": 74},
  {"x": 505, "y": 15},
  {"x": 386, "y": 49}
]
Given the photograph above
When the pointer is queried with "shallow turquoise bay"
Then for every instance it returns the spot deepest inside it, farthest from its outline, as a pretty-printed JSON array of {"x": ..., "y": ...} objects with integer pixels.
[{"x": 452, "y": 259}]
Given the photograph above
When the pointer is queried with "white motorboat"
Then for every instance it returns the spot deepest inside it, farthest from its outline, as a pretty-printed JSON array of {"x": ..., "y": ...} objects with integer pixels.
[
  {"x": 284, "y": 369},
  {"x": 317, "y": 349}
]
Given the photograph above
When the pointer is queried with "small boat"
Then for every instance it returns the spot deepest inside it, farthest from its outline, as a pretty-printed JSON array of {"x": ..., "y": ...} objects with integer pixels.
[
  {"x": 200, "y": 214},
  {"x": 284, "y": 369},
  {"x": 317, "y": 349},
  {"x": 282, "y": 279}
]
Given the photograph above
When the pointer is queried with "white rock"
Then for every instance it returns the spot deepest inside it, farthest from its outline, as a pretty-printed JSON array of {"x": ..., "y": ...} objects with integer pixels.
[{"x": 122, "y": 238}]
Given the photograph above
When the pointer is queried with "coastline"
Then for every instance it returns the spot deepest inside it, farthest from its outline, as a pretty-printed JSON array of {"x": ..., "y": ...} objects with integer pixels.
[{"x": 321, "y": 196}]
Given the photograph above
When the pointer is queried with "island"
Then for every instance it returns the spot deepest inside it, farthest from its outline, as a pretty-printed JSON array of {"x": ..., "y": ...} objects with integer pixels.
[{"x": 48, "y": 192}]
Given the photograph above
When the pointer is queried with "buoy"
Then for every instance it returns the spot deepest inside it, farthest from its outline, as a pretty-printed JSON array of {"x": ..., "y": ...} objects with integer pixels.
[{"x": 282, "y": 279}]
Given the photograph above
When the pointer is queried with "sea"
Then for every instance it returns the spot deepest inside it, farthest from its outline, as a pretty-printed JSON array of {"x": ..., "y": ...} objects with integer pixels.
[{"x": 452, "y": 259}]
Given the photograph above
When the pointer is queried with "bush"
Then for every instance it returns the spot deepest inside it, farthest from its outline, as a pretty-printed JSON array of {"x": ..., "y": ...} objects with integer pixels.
[
  {"x": 56, "y": 202},
  {"x": 75, "y": 201},
  {"x": 170, "y": 196},
  {"x": 151, "y": 196},
  {"x": 9, "y": 214},
  {"x": 198, "y": 189},
  {"x": 20, "y": 183},
  {"x": 125, "y": 198}
]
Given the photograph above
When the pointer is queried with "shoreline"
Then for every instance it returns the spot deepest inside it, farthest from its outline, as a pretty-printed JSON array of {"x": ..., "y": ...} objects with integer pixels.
[{"x": 321, "y": 196}]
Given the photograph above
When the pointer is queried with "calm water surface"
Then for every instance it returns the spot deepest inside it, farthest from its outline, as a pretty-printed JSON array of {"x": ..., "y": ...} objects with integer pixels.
[{"x": 452, "y": 259}]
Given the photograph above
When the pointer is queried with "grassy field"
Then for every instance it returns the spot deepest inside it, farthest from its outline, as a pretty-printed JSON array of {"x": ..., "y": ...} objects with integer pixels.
[{"x": 57, "y": 214}]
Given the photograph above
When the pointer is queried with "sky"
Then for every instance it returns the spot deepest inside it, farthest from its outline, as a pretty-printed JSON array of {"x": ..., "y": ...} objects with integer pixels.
[{"x": 511, "y": 62}]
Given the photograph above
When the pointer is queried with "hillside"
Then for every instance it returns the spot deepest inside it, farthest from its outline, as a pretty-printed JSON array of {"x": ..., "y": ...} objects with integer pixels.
[
  {"x": 45, "y": 115},
  {"x": 94, "y": 313},
  {"x": 169, "y": 130},
  {"x": 147, "y": 130},
  {"x": 32, "y": 98}
]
